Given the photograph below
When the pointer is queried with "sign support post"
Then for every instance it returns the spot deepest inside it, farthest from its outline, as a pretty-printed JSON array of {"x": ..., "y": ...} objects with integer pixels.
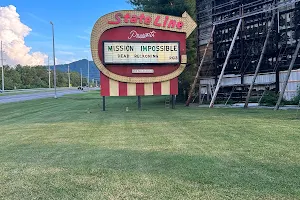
[
  {"x": 139, "y": 103},
  {"x": 103, "y": 103},
  {"x": 173, "y": 101}
]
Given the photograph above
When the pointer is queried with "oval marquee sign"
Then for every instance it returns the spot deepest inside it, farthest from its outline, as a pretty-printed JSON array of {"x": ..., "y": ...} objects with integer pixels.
[{"x": 141, "y": 47}]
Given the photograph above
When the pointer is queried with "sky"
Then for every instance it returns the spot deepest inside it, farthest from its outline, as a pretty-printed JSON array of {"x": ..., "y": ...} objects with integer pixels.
[{"x": 26, "y": 31}]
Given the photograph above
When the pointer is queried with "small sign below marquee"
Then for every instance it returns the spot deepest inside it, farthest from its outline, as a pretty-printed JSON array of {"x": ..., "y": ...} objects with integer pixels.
[
  {"x": 141, "y": 52},
  {"x": 142, "y": 71}
]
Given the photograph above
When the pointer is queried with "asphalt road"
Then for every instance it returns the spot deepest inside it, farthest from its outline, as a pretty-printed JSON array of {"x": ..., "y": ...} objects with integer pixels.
[{"x": 39, "y": 95}]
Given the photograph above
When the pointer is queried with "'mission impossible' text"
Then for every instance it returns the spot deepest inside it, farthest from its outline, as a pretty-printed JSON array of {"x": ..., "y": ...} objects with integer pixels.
[{"x": 143, "y": 48}]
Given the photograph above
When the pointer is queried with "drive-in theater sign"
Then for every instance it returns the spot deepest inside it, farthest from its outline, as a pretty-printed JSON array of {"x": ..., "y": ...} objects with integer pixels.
[{"x": 140, "y": 53}]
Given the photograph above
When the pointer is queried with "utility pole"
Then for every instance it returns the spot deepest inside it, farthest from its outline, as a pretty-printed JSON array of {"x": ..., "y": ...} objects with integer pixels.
[
  {"x": 88, "y": 74},
  {"x": 54, "y": 67},
  {"x": 2, "y": 68},
  {"x": 49, "y": 72},
  {"x": 69, "y": 76},
  {"x": 81, "y": 77}
]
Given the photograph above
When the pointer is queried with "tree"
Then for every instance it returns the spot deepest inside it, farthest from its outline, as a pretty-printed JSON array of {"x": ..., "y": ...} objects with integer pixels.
[
  {"x": 25, "y": 77},
  {"x": 42, "y": 74},
  {"x": 176, "y": 8},
  {"x": 12, "y": 78},
  {"x": 75, "y": 79},
  {"x": 62, "y": 79},
  {"x": 166, "y": 7}
]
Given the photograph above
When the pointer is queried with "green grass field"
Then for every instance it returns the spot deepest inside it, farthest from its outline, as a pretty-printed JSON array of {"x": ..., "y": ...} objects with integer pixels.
[{"x": 68, "y": 149}]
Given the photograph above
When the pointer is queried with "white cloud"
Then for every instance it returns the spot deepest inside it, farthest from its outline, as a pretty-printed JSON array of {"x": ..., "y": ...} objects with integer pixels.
[
  {"x": 13, "y": 33},
  {"x": 65, "y": 53},
  {"x": 83, "y": 37}
]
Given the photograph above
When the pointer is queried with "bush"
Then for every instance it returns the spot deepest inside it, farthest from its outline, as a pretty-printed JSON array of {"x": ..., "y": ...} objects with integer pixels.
[
  {"x": 296, "y": 99},
  {"x": 269, "y": 99}
]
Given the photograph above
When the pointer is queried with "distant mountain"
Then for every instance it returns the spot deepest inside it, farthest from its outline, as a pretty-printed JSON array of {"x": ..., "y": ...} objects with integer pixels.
[{"x": 75, "y": 66}]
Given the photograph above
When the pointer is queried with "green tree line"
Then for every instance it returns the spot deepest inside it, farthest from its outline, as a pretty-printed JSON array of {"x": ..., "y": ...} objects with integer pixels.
[{"x": 25, "y": 77}]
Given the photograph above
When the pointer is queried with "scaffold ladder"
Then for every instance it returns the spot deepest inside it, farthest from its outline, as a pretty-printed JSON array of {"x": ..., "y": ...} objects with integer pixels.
[
  {"x": 199, "y": 69},
  {"x": 260, "y": 61},
  {"x": 225, "y": 64}
]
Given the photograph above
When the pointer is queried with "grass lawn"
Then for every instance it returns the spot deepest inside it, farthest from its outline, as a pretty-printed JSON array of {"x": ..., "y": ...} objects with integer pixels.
[{"x": 67, "y": 148}]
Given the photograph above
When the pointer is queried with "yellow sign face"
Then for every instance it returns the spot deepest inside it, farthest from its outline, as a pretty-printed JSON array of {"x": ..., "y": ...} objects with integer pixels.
[{"x": 141, "y": 53}]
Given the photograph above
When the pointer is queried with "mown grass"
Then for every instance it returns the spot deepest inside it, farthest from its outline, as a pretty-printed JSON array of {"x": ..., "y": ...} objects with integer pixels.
[{"x": 67, "y": 148}]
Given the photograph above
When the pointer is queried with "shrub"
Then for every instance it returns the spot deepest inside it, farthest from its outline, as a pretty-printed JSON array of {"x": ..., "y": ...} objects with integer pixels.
[
  {"x": 269, "y": 99},
  {"x": 296, "y": 98}
]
